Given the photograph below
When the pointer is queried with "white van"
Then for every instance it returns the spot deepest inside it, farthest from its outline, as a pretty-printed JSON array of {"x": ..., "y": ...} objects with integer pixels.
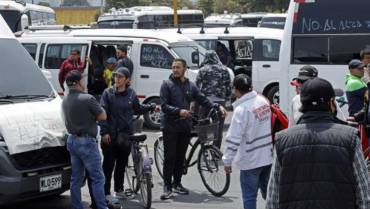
[
  {"x": 254, "y": 51},
  {"x": 34, "y": 161},
  {"x": 324, "y": 34},
  {"x": 151, "y": 52}
]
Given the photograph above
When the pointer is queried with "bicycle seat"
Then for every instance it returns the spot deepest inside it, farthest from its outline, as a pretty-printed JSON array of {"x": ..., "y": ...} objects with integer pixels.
[{"x": 137, "y": 137}]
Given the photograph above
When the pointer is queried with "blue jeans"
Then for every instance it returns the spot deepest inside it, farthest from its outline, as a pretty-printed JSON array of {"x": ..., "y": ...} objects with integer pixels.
[
  {"x": 250, "y": 181},
  {"x": 85, "y": 154}
]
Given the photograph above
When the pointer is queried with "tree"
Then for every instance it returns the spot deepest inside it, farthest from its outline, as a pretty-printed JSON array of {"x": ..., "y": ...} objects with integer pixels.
[
  {"x": 206, "y": 6},
  {"x": 44, "y": 3}
]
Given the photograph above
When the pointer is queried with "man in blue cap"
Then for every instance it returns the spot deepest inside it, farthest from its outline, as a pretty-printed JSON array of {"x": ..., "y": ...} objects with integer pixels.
[{"x": 108, "y": 72}]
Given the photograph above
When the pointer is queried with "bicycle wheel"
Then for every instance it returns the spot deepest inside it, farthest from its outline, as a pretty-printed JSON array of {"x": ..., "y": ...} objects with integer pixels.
[
  {"x": 159, "y": 155},
  {"x": 367, "y": 158},
  {"x": 210, "y": 167},
  {"x": 146, "y": 190},
  {"x": 131, "y": 177}
]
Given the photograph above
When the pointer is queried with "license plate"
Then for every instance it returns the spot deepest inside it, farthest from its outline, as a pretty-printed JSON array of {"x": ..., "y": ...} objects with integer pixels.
[{"x": 49, "y": 183}]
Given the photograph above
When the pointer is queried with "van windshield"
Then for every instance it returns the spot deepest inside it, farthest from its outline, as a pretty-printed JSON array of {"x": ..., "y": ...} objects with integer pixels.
[
  {"x": 12, "y": 18},
  {"x": 185, "y": 49},
  {"x": 20, "y": 77}
]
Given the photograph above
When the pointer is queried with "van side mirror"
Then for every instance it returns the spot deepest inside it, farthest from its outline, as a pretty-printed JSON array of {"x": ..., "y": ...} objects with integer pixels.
[
  {"x": 24, "y": 22},
  {"x": 195, "y": 57}
]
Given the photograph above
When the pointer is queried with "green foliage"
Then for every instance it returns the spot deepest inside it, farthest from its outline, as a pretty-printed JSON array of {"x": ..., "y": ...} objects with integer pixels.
[
  {"x": 44, "y": 3},
  {"x": 73, "y": 3}
]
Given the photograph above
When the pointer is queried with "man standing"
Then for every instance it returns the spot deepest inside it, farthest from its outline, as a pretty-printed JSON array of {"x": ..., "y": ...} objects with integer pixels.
[
  {"x": 365, "y": 58},
  {"x": 72, "y": 63},
  {"x": 123, "y": 59},
  {"x": 319, "y": 162},
  {"x": 81, "y": 112},
  {"x": 248, "y": 141},
  {"x": 355, "y": 87},
  {"x": 305, "y": 73},
  {"x": 214, "y": 81},
  {"x": 176, "y": 95}
]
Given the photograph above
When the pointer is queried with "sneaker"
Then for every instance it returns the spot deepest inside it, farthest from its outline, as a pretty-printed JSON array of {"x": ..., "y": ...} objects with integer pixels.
[
  {"x": 179, "y": 189},
  {"x": 121, "y": 194},
  {"x": 167, "y": 193}
]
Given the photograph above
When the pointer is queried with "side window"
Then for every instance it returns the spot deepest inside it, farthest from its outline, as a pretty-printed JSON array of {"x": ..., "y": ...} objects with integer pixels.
[
  {"x": 31, "y": 48},
  {"x": 304, "y": 52},
  {"x": 270, "y": 50},
  {"x": 345, "y": 48},
  {"x": 57, "y": 53},
  {"x": 41, "y": 56},
  {"x": 243, "y": 48},
  {"x": 155, "y": 56}
]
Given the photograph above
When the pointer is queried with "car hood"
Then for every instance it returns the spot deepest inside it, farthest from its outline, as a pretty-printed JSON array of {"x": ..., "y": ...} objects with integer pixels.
[{"x": 32, "y": 125}]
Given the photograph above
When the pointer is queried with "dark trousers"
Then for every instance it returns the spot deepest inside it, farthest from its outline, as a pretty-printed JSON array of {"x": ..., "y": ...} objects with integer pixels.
[
  {"x": 114, "y": 157},
  {"x": 175, "y": 146}
]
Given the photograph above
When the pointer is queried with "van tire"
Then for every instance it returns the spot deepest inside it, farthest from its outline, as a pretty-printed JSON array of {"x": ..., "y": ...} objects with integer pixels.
[
  {"x": 273, "y": 95},
  {"x": 152, "y": 119}
]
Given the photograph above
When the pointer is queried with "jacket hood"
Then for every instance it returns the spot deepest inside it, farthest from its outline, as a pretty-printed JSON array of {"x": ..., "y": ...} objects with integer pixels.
[{"x": 211, "y": 58}]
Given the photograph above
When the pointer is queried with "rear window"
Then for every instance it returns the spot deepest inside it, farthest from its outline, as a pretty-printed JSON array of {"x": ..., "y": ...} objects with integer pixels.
[{"x": 332, "y": 17}]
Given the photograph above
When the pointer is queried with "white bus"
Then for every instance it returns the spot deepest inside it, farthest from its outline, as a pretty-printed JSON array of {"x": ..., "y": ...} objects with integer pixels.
[
  {"x": 326, "y": 34},
  {"x": 149, "y": 18},
  {"x": 273, "y": 20},
  {"x": 20, "y": 15},
  {"x": 234, "y": 20}
]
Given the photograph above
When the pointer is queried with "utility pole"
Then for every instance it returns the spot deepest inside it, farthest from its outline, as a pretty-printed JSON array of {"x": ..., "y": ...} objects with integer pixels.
[{"x": 175, "y": 17}]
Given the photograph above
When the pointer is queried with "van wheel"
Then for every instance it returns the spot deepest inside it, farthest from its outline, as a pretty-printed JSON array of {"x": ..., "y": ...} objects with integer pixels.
[
  {"x": 152, "y": 119},
  {"x": 273, "y": 95}
]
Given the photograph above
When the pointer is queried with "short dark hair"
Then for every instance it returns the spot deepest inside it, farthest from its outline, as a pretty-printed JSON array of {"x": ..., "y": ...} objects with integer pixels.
[
  {"x": 180, "y": 60},
  {"x": 364, "y": 52},
  {"x": 243, "y": 83},
  {"x": 122, "y": 48},
  {"x": 76, "y": 51}
]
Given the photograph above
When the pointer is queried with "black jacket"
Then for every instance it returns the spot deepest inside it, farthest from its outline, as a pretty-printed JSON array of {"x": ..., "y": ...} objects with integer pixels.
[
  {"x": 316, "y": 159},
  {"x": 176, "y": 95},
  {"x": 120, "y": 108}
]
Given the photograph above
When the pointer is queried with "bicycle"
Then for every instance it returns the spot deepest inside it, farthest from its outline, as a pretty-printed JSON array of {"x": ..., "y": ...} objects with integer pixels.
[
  {"x": 138, "y": 170},
  {"x": 209, "y": 161}
]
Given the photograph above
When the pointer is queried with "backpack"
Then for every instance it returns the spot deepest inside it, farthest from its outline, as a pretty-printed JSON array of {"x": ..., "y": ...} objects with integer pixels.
[{"x": 279, "y": 121}]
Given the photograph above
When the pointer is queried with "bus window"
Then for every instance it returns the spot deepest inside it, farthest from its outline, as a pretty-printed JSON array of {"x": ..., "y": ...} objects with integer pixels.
[
  {"x": 31, "y": 48},
  {"x": 116, "y": 24},
  {"x": 304, "y": 52},
  {"x": 345, "y": 48}
]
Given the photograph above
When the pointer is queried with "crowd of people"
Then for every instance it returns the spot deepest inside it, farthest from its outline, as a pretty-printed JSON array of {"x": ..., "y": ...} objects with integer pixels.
[{"x": 316, "y": 163}]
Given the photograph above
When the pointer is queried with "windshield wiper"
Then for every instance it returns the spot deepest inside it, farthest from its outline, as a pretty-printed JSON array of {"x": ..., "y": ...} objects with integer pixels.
[{"x": 30, "y": 96}]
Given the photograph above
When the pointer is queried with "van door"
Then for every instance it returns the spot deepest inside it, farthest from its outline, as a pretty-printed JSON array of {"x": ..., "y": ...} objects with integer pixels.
[
  {"x": 58, "y": 51},
  {"x": 266, "y": 68},
  {"x": 155, "y": 66}
]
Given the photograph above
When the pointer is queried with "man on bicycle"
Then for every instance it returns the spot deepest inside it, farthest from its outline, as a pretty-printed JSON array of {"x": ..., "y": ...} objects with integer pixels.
[
  {"x": 249, "y": 141},
  {"x": 120, "y": 102},
  {"x": 176, "y": 95}
]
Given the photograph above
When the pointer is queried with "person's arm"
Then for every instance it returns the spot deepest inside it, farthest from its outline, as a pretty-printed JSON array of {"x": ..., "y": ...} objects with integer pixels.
[
  {"x": 141, "y": 108},
  {"x": 165, "y": 101},
  {"x": 96, "y": 109},
  {"x": 227, "y": 83},
  {"x": 104, "y": 127},
  {"x": 234, "y": 136},
  {"x": 200, "y": 97},
  {"x": 272, "y": 199},
  {"x": 61, "y": 76},
  {"x": 198, "y": 80},
  {"x": 362, "y": 177}
]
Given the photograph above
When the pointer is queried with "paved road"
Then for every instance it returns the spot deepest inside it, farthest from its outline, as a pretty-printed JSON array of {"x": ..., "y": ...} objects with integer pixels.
[{"x": 198, "y": 198}]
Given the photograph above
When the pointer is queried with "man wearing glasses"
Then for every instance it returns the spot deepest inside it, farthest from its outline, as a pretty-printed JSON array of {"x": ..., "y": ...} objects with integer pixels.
[{"x": 73, "y": 62}]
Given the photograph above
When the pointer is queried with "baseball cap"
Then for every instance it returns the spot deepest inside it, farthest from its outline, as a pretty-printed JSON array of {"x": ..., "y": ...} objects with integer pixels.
[
  {"x": 111, "y": 60},
  {"x": 355, "y": 63},
  {"x": 305, "y": 73},
  {"x": 316, "y": 91},
  {"x": 73, "y": 78},
  {"x": 122, "y": 71}
]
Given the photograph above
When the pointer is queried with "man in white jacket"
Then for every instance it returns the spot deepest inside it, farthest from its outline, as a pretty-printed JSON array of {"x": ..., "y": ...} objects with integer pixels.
[{"x": 248, "y": 141}]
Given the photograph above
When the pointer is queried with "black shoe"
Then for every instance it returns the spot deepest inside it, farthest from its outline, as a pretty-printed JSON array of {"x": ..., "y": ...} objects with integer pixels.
[
  {"x": 167, "y": 193},
  {"x": 179, "y": 189}
]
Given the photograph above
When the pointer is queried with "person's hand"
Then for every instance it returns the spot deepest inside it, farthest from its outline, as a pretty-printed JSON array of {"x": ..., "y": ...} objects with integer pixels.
[
  {"x": 106, "y": 139},
  {"x": 223, "y": 111},
  {"x": 228, "y": 169},
  {"x": 351, "y": 119},
  {"x": 185, "y": 113}
]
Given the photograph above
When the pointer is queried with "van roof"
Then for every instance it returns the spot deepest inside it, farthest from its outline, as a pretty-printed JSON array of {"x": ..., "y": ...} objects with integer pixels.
[
  {"x": 233, "y": 31},
  {"x": 5, "y": 31},
  {"x": 12, "y": 5},
  {"x": 130, "y": 33}
]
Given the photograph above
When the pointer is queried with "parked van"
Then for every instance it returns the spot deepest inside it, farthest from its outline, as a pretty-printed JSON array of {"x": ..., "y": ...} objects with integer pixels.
[
  {"x": 253, "y": 51},
  {"x": 34, "y": 161},
  {"x": 151, "y": 52}
]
